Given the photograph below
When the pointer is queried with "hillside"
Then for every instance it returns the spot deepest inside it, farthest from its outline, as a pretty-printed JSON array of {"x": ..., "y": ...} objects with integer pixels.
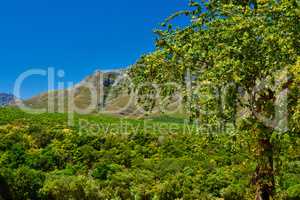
[
  {"x": 116, "y": 96},
  {"x": 42, "y": 158},
  {"x": 6, "y": 99},
  {"x": 110, "y": 97},
  {"x": 82, "y": 96},
  {"x": 231, "y": 76}
]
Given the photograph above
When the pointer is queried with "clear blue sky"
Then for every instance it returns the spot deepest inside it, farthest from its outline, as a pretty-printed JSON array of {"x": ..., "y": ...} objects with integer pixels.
[{"x": 76, "y": 36}]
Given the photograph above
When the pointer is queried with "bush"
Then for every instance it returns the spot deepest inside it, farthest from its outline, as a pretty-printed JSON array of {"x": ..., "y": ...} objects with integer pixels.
[
  {"x": 233, "y": 192},
  {"x": 294, "y": 192},
  {"x": 26, "y": 183}
]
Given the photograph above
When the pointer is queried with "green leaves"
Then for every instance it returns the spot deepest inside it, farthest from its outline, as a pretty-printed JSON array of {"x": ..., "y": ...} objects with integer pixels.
[
  {"x": 226, "y": 52},
  {"x": 240, "y": 43}
]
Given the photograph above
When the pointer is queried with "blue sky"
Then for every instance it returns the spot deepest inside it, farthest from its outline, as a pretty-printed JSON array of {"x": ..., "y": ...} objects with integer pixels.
[{"x": 76, "y": 36}]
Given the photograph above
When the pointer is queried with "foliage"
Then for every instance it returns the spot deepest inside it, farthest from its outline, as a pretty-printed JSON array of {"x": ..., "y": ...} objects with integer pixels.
[
  {"x": 235, "y": 54},
  {"x": 140, "y": 164},
  {"x": 231, "y": 62}
]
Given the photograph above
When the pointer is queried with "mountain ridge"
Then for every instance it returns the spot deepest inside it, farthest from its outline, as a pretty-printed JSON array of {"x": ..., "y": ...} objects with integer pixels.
[
  {"x": 110, "y": 93},
  {"x": 6, "y": 99}
]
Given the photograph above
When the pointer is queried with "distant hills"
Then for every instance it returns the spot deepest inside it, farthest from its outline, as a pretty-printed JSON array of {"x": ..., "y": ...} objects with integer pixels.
[
  {"x": 113, "y": 97},
  {"x": 6, "y": 99}
]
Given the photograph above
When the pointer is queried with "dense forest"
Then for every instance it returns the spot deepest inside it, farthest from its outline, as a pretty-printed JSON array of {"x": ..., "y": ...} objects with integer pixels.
[
  {"x": 236, "y": 66},
  {"x": 43, "y": 158}
]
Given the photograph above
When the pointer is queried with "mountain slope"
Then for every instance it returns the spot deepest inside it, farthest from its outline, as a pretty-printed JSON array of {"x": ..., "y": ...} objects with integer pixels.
[
  {"x": 6, "y": 99},
  {"x": 112, "y": 96},
  {"x": 115, "y": 97}
]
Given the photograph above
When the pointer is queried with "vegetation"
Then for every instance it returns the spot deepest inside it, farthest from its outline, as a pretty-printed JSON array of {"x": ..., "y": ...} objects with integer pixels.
[
  {"x": 239, "y": 57},
  {"x": 43, "y": 158},
  {"x": 237, "y": 67}
]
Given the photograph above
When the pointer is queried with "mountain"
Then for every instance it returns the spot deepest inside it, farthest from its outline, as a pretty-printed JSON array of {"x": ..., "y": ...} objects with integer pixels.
[
  {"x": 115, "y": 97},
  {"x": 112, "y": 97},
  {"x": 6, "y": 99}
]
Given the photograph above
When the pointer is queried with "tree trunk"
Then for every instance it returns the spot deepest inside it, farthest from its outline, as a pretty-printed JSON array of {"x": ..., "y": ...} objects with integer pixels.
[{"x": 264, "y": 176}]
